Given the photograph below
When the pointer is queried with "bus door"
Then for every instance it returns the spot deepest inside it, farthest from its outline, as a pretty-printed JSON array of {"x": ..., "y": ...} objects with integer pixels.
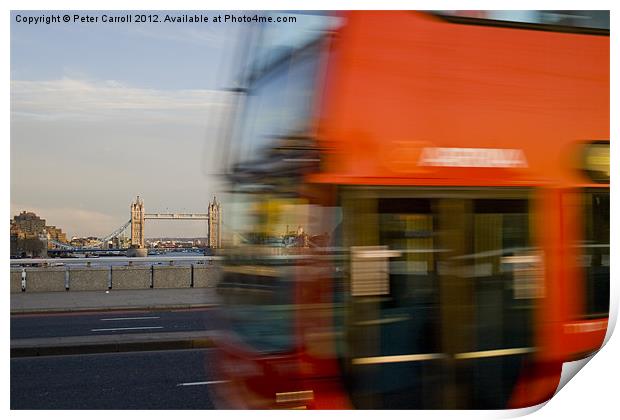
[{"x": 439, "y": 296}]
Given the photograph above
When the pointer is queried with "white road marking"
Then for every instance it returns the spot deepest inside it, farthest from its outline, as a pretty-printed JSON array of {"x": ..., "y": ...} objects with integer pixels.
[
  {"x": 202, "y": 383},
  {"x": 127, "y": 319},
  {"x": 127, "y": 328}
]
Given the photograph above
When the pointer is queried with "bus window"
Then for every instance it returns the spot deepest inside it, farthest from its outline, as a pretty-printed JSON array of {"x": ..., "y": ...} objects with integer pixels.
[
  {"x": 595, "y": 253},
  {"x": 591, "y": 19},
  {"x": 280, "y": 103},
  {"x": 442, "y": 309}
]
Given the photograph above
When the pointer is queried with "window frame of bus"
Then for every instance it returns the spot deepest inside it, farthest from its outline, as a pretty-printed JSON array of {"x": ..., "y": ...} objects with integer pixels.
[{"x": 587, "y": 233}]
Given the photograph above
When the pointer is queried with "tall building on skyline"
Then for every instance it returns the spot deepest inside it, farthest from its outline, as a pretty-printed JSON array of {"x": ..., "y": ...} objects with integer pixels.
[
  {"x": 215, "y": 224},
  {"x": 30, "y": 236},
  {"x": 28, "y": 225}
]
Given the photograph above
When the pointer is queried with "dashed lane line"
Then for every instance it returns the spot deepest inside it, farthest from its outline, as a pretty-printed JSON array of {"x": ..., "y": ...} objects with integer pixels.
[
  {"x": 128, "y": 319},
  {"x": 126, "y": 328},
  {"x": 201, "y": 383}
]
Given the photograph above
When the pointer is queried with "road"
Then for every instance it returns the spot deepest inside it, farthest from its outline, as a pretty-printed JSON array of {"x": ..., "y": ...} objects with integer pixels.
[
  {"x": 141, "y": 380},
  {"x": 111, "y": 322}
]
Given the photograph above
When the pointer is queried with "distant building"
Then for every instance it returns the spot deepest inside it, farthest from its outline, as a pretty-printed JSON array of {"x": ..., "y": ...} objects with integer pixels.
[
  {"x": 120, "y": 242},
  {"x": 56, "y": 234},
  {"x": 29, "y": 235},
  {"x": 78, "y": 242},
  {"x": 215, "y": 224},
  {"x": 16, "y": 231},
  {"x": 28, "y": 225}
]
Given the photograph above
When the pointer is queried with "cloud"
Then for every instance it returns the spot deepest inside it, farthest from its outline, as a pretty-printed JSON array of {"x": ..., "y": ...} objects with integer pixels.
[
  {"x": 80, "y": 149},
  {"x": 182, "y": 33},
  {"x": 72, "y": 100}
]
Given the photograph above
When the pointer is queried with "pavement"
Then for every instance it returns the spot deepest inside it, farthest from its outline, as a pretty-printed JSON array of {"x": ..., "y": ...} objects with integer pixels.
[
  {"x": 51, "y": 303},
  {"x": 25, "y": 303}
]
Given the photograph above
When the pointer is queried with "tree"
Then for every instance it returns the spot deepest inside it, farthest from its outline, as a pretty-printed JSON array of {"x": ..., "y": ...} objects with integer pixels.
[{"x": 31, "y": 246}]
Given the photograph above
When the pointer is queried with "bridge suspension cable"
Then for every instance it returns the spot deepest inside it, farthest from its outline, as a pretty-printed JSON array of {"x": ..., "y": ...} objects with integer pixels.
[
  {"x": 61, "y": 245},
  {"x": 116, "y": 232}
]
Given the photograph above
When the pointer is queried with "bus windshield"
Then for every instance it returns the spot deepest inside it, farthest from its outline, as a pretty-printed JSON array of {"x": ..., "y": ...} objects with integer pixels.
[
  {"x": 282, "y": 85},
  {"x": 273, "y": 235}
]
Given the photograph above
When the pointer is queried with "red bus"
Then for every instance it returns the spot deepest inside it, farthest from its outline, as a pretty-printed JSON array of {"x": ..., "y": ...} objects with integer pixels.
[{"x": 420, "y": 208}]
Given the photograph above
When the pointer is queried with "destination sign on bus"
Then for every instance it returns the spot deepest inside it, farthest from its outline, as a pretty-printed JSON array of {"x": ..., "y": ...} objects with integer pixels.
[{"x": 472, "y": 157}]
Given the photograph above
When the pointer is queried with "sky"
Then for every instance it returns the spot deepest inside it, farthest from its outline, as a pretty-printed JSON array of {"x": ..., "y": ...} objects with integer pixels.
[{"x": 101, "y": 113}]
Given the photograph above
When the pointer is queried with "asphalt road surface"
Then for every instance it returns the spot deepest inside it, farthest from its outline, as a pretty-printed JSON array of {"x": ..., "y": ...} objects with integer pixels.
[
  {"x": 143, "y": 380},
  {"x": 111, "y": 322}
]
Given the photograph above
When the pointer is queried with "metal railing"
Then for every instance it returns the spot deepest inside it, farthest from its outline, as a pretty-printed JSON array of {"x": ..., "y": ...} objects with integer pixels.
[{"x": 51, "y": 262}]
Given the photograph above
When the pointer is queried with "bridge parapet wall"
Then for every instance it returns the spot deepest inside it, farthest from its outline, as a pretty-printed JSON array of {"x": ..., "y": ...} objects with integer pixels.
[
  {"x": 16, "y": 280},
  {"x": 39, "y": 279},
  {"x": 131, "y": 277},
  {"x": 95, "y": 278},
  {"x": 56, "y": 279},
  {"x": 205, "y": 275},
  {"x": 171, "y": 277}
]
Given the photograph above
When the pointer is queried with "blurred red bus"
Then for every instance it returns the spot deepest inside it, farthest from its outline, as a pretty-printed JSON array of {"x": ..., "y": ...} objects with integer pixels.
[{"x": 420, "y": 204}]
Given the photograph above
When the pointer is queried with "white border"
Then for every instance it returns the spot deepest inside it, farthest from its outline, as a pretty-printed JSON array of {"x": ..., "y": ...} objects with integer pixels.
[{"x": 592, "y": 394}]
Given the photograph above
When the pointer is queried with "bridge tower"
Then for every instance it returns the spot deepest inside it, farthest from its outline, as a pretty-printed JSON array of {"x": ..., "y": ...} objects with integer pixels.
[
  {"x": 137, "y": 223},
  {"x": 215, "y": 224}
]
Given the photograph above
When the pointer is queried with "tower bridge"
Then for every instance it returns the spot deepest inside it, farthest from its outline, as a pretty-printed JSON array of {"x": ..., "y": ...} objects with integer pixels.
[
  {"x": 138, "y": 216},
  {"x": 136, "y": 226}
]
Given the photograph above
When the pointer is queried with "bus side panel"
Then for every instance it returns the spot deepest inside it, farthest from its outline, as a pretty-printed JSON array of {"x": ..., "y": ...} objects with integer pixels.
[{"x": 409, "y": 81}]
